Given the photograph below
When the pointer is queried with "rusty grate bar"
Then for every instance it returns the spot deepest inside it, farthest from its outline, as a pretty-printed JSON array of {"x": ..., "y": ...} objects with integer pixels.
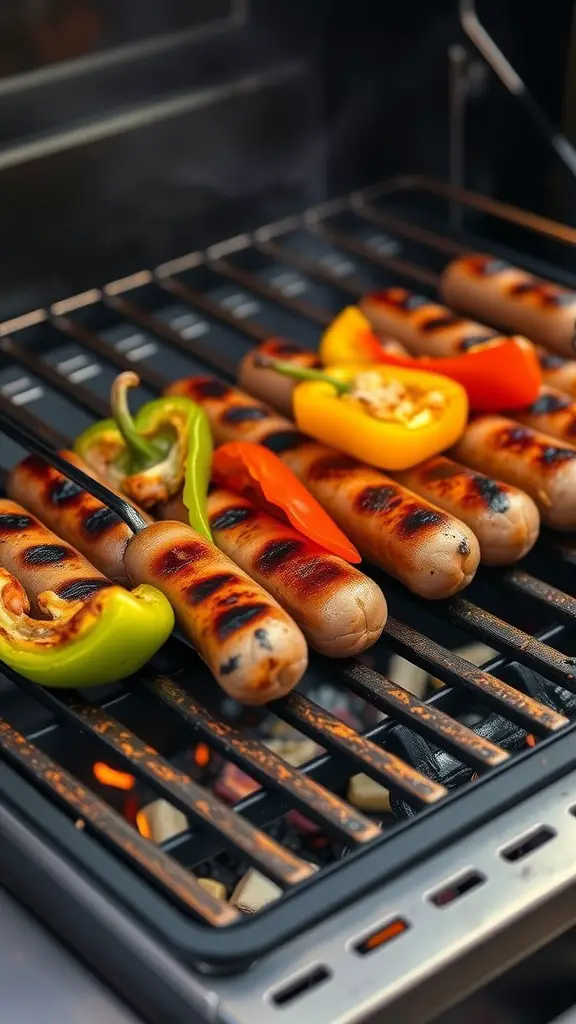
[
  {"x": 381, "y": 765},
  {"x": 246, "y": 279},
  {"x": 90, "y": 810},
  {"x": 424, "y": 719},
  {"x": 204, "y": 354},
  {"x": 265, "y": 766},
  {"x": 455, "y": 670},
  {"x": 235, "y": 832},
  {"x": 498, "y": 633},
  {"x": 563, "y": 605},
  {"x": 201, "y": 302}
]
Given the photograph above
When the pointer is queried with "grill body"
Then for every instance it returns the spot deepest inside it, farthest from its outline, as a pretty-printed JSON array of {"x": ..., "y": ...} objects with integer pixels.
[{"x": 472, "y": 874}]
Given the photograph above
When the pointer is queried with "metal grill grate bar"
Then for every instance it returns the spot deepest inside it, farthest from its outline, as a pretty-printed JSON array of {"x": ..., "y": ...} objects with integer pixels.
[
  {"x": 201, "y": 302},
  {"x": 113, "y": 828},
  {"x": 394, "y": 263},
  {"x": 265, "y": 766},
  {"x": 381, "y": 765},
  {"x": 248, "y": 280},
  {"x": 450, "y": 667},
  {"x": 412, "y": 231}
]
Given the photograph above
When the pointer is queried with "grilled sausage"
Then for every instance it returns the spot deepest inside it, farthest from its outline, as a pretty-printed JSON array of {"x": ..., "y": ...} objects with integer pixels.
[
  {"x": 424, "y": 326},
  {"x": 72, "y": 512},
  {"x": 272, "y": 387},
  {"x": 513, "y": 299},
  {"x": 431, "y": 552},
  {"x": 268, "y": 385},
  {"x": 527, "y": 459},
  {"x": 252, "y": 647},
  {"x": 553, "y": 413},
  {"x": 557, "y": 372},
  {"x": 41, "y": 561},
  {"x": 504, "y": 519},
  {"x": 340, "y": 610}
]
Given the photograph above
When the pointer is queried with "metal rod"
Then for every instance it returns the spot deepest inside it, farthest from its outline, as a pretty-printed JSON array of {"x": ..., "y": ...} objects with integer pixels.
[
  {"x": 10, "y": 426},
  {"x": 416, "y": 234},
  {"x": 510, "y": 78},
  {"x": 394, "y": 263},
  {"x": 248, "y": 280}
]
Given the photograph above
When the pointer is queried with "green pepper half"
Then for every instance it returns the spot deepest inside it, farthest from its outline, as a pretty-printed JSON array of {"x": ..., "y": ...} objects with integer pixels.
[
  {"x": 167, "y": 445},
  {"x": 85, "y": 643}
]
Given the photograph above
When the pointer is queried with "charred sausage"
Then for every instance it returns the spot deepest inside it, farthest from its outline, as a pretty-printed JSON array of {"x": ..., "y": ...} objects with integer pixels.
[
  {"x": 504, "y": 518},
  {"x": 535, "y": 462},
  {"x": 252, "y": 647},
  {"x": 513, "y": 299},
  {"x": 558, "y": 372},
  {"x": 424, "y": 326},
  {"x": 340, "y": 610},
  {"x": 553, "y": 413},
  {"x": 430, "y": 551},
  {"x": 72, "y": 512},
  {"x": 41, "y": 561}
]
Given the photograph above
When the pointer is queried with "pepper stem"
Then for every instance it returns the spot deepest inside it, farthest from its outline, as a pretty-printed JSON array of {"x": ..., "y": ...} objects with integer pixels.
[
  {"x": 300, "y": 373},
  {"x": 121, "y": 413}
]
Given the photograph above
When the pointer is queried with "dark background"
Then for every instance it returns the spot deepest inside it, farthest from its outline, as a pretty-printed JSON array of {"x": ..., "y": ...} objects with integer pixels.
[{"x": 97, "y": 180}]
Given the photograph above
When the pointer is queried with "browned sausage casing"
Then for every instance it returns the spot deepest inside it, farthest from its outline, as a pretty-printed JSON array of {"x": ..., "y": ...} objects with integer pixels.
[
  {"x": 252, "y": 647},
  {"x": 271, "y": 387},
  {"x": 430, "y": 551},
  {"x": 557, "y": 372},
  {"x": 268, "y": 385},
  {"x": 424, "y": 326},
  {"x": 340, "y": 610},
  {"x": 527, "y": 459},
  {"x": 513, "y": 299},
  {"x": 554, "y": 413},
  {"x": 504, "y": 519},
  {"x": 41, "y": 561},
  {"x": 72, "y": 512}
]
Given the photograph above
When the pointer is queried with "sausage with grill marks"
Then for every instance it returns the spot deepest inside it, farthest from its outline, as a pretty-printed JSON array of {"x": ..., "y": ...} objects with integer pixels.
[
  {"x": 430, "y": 551},
  {"x": 252, "y": 647},
  {"x": 70, "y": 511},
  {"x": 504, "y": 518},
  {"x": 340, "y": 610},
  {"x": 41, "y": 561},
  {"x": 526, "y": 458},
  {"x": 483, "y": 285},
  {"x": 424, "y": 326},
  {"x": 557, "y": 371},
  {"x": 553, "y": 413}
]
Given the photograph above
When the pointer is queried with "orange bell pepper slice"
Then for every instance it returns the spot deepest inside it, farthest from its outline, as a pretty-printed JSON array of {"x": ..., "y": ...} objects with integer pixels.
[{"x": 258, "y": 474}]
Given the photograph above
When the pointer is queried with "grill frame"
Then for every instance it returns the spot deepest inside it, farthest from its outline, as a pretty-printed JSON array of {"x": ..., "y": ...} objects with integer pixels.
[{"x": 340, "y": 885}]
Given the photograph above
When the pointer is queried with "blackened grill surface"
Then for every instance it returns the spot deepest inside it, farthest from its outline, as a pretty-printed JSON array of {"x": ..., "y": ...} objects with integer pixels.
[{"x": 481, "y": 722}]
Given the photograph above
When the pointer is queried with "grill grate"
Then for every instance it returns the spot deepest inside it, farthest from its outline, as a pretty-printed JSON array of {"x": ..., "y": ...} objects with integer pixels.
[{"x": 228, "y": 292}]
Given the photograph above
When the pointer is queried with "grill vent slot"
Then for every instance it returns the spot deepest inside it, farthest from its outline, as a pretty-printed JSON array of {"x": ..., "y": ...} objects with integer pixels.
[
  {"x": 459, "y": 887},
  {"x": 528, "y": 844},
  {"x": 317, "y": 976}
]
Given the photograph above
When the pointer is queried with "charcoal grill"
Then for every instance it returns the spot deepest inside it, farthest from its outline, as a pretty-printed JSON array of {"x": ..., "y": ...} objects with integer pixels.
[{"x": 478, "y": 868}]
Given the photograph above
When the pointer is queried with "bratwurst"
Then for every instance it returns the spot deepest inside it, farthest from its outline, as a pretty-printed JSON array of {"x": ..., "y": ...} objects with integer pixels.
[
  {"x": 430, "y": 551},
  {"x": 504, "y": 518},
  {"x": 535, "y": 462},
  {"x": 424, "y": 326},
  {"x": 252, "y": 647},
  {"x": 485, "y": 286},
  {"x": 72, "y": 512},
  {"x": 340, "y": 610}
]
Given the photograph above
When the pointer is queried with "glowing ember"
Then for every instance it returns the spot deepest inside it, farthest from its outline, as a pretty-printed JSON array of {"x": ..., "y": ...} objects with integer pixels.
[
  {"x": 202, "y": 755},
  {"x": 112, "y": 777},
  {"x": 143, "y": 825}
]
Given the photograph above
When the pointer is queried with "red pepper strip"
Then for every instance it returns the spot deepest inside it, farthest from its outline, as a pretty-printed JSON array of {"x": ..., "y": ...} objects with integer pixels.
[
  {"x": 497, "y": 377},
  {"x": 256, "y": 473}
]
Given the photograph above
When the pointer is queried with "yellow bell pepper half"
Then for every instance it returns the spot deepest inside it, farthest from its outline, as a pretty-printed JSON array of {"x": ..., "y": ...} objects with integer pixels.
[
  {"x": 387, "y": 443},
  {"x": 85, "y": 643}
]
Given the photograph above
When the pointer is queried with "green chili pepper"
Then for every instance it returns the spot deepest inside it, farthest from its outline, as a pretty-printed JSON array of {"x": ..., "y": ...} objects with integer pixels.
[
  {"x": 149, "y": 457},
  {"x": 101, "y": 639}
]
